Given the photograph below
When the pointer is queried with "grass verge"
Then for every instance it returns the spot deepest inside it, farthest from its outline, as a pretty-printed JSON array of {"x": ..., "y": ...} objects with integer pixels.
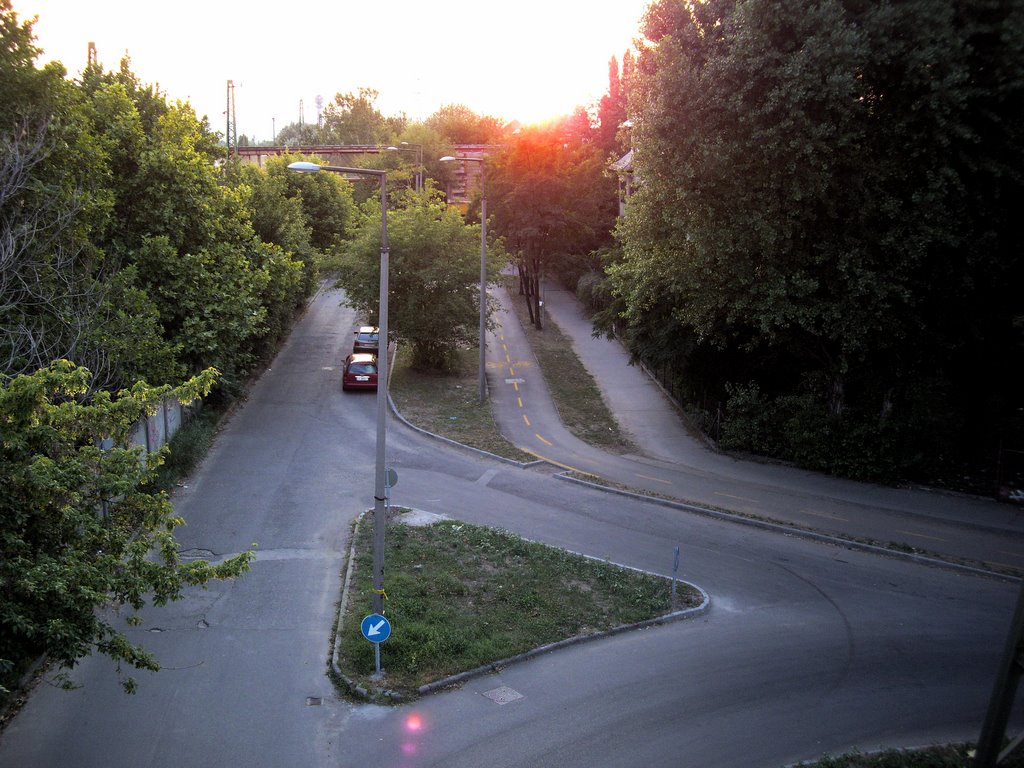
[
  {"x": 576, "y": 395},
  {"x": 460, "y": 596},
  {"x": 448, "y": 404}
]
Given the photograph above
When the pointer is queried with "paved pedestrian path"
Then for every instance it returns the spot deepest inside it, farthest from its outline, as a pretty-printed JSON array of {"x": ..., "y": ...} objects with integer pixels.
[{"x": 674, "y": 462}]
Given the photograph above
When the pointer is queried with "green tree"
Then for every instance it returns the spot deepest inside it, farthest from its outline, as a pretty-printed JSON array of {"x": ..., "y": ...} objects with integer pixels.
[
  {"x": 52, "y": 197},
  {"x": 552, "y": 202},
  {"x": 78, "y": 532},
  {"x": 353, "y": 118},
  {"x": 458, "y": 124},
  {"x": 433, "y": 277},
  {"x": 823, "y": 209},
  {"x": 326, "y": 201}
]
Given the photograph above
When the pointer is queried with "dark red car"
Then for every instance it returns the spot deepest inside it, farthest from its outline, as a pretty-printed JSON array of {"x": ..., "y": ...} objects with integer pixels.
[{"x": 360, "y": 372}]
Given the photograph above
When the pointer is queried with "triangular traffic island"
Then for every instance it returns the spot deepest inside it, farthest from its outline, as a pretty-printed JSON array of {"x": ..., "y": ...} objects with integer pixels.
[{"x": 463, "y": 600}]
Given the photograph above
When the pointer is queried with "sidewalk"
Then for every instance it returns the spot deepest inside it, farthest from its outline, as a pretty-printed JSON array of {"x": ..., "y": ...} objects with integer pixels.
[{"x": 656, "y": 427}]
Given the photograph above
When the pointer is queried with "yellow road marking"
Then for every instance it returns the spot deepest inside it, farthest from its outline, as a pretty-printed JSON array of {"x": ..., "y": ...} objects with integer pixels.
[
  {"x": 520, "y": 401},
  {"x": 516, "y": 385},
  {"x": 511, "y": 372},
  {"x": 738, "y": 498},
  {"x": 526, "y": 419},
  {"x": 655, "y": 479},
  {"x": 558, "y": 463},
  {"x": 542, "y": 439},
  {"x": 920, "y": 535}
]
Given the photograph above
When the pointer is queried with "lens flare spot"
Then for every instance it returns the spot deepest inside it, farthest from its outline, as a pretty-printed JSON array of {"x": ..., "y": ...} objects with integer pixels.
[
  {"x": 414, "y": 723},
  {"x": 408, "y": 749}
]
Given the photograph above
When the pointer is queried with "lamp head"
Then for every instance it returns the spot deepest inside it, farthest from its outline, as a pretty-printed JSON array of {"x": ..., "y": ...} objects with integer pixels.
[{"x": 303, "y": 166}]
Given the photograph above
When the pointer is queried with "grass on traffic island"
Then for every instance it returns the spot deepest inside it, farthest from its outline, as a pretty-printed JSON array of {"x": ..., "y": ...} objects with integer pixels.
[{"x": 462, "y": 596}]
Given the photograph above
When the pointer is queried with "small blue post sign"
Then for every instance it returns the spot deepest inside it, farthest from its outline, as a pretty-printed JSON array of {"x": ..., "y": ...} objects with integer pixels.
[{"x": 375, "y": 628}]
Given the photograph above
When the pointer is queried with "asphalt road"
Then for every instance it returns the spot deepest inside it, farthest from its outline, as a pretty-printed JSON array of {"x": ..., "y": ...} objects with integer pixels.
[{"x": 807, "y": 648}]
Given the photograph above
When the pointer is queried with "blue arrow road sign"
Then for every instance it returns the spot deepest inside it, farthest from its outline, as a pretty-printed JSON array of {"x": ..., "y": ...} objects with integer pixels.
[{"x": 376, "y": 628}]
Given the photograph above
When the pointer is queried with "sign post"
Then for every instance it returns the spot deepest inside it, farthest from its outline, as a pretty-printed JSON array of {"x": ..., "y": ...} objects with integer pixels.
[{"x": 376, "y": 629}]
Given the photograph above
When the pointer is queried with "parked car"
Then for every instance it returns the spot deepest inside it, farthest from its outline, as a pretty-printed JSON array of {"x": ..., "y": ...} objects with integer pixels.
[
  {"x": 367, "y": 340},
  {"x": 360, "y": 372}
]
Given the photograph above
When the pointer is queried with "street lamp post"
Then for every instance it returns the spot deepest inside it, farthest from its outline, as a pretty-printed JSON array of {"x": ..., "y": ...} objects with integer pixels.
[
  {"x": 482, "y": 383},
  {"x": 379, "y": 491},
  {"x": 418, "y": 149}
]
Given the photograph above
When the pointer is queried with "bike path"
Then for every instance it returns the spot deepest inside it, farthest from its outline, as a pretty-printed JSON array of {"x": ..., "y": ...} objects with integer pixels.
[{"x": 672, "y": 462}]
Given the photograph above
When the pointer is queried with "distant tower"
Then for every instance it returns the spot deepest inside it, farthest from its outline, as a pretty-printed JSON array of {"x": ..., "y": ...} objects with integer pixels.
[
  {"x": 302, "y": 115},
  {"x": 319, "y": 109},
  {"x": 231, "y": 134},
  {"x": 93, "y": 62}
]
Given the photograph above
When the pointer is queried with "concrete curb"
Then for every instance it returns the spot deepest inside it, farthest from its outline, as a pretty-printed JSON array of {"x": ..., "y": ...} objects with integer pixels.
[
  {"x": 456, "y": 444},
  {"x": 726, "y": 516},
  {"x": 494, "y": 666},
  {"x": 788, "y": 530},
  {"x": 448, "y": 440}
]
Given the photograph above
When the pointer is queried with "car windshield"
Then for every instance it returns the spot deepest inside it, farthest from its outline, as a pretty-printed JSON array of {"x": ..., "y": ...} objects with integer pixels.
[
  {"x": 362, "y": 368},
  {"x": 368, "y": 336}
]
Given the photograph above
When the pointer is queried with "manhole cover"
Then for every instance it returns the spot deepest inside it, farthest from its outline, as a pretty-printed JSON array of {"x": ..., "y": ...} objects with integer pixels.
[
  {"x": 314, "y": 701},
  {"x": 503, "y": 695}
]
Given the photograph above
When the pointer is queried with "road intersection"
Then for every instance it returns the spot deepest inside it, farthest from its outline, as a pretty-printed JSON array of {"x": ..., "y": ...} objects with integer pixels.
[{"x": 807, "y": 647}]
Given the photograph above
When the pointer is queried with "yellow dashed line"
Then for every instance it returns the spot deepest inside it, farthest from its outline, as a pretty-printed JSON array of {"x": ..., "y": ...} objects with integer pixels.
[
  {"x": 516, "y": 385},
  {"x": 558, "y": 463},
  {"x": 526, "y": 419},
  {"x": 511, "y": 372},
  {"x": 520, "y": 401},
  {"x": 542, "y": 439},
  {"x": 655, "y": 479}
]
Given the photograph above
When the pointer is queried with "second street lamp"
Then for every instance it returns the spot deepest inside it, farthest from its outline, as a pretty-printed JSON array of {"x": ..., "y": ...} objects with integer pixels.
[
  {"x": 379, "y": 489},
  {"x": 482, "y": 383}
]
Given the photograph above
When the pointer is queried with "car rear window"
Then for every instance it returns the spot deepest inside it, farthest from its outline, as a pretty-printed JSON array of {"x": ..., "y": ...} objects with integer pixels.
[{"x": 362, "y": 368}]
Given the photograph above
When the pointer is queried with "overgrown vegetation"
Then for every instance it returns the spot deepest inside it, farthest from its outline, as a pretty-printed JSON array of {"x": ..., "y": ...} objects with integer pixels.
[
  {"x": 822, "y": 239},
  {"x": 460, "y": 596}
]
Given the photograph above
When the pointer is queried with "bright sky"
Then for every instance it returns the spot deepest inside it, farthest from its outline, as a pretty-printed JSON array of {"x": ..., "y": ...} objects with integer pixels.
[{"x": 526, "y": 60}]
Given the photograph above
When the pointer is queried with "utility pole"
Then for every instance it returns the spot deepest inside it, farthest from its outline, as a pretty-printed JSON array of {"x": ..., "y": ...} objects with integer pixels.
[
  {"x": 993, "y": 731},
  {"x": 231, "y": 134}
]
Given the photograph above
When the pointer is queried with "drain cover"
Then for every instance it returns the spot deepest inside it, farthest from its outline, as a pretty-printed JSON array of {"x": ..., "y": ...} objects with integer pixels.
[
  {"x": 503, "y": 695},
  {"x": 314, "y": 701}
]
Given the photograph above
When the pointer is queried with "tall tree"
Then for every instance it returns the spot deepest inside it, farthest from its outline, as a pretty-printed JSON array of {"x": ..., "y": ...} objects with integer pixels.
[
  {"x": 434, "y": 275},
  {"x": 822, "y": 182},
  {"x": 51, "y": 198},
  {"x": 551, "y": 200},
  {"x": 353, "y": 118}
]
